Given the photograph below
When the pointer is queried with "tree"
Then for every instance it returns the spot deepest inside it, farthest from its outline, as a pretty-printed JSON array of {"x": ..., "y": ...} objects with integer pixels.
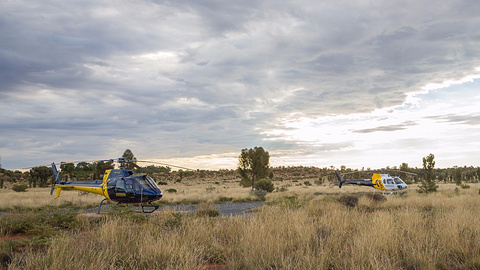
[
  {"x": 40, "y": 175},
  {"x": 428, "y": 185},
  {"x": 129, "y": 156},
  {"x": 253, "y": 165},
  {"x": 67, "y": 169},
  {"x": 100, "y": 168},
  {"x": 457, "y": 176}
]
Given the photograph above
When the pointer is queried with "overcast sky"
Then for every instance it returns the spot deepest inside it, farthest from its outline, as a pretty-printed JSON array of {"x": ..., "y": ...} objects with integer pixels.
[{"x": 316, "y": 83}]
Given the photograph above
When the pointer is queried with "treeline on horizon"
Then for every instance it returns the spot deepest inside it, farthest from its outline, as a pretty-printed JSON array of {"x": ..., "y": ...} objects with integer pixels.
[{"x": 43, "y": 177}]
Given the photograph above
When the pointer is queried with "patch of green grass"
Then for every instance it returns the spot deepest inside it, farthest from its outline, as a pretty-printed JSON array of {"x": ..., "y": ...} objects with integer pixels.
[
  {"x": 14, "y": 223},
  {"x": 126, "y": 212},
  {"x": 206, "y": 210},
  {"x": 224, "y": 199}
]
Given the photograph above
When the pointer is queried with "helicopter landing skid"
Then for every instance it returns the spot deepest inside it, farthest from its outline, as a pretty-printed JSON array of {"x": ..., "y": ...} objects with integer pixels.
[
  {"x": 155, "y": 207},
  {"x": 100, "y": 206}
]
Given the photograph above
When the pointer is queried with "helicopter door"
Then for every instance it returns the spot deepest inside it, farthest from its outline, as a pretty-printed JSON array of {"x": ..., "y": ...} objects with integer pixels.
[
  {"x": 389, "y": 184},
  {"x": 120, "y": 188}
]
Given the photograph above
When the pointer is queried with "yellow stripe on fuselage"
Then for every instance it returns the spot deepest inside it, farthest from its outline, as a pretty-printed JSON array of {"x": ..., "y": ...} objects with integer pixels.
[
  {"x": 96, "y": 190},
  {"x": 104, "y": 184}
]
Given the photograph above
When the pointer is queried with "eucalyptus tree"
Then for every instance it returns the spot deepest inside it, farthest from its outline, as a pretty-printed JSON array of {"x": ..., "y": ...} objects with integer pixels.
[{"x": 253, "y": 165}]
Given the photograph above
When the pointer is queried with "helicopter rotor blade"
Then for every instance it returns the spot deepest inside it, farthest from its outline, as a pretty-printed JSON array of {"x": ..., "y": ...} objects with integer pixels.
[
  {"x": 166, "y": 164},
  {"x": 381, "y": 170}
]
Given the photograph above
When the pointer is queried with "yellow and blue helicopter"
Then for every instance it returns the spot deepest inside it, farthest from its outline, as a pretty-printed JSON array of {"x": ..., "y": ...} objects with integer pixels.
[
  {"x": 120, "y": 186},
  {"x": 384, "y": 182}
]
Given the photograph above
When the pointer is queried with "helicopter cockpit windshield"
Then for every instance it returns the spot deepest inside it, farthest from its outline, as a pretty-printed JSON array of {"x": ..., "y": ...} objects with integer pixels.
[
  {"x": 146, "y": 183},
  {"x": 398, "y": 181}
]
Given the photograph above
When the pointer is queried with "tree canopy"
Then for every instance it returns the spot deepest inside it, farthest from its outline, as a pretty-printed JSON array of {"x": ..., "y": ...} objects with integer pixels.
[
  {"x": 428, "y": 185},
  {"x": 253, "y": 165},
  {"x": 128, "y": 154}
]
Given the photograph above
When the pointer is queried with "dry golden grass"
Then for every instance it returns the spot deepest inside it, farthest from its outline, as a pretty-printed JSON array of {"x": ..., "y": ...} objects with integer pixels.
[
  {"x": 36, "y": 198},
  {"x": 298, "y": 231},
  {"x": 192, "y": 192}
]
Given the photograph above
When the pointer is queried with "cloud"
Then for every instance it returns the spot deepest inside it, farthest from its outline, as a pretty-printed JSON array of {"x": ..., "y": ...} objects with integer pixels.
[
  {"x": 473, "y": 119},
  {"x": 198, "y": 78},
  {"x": 401, "y": 126}
]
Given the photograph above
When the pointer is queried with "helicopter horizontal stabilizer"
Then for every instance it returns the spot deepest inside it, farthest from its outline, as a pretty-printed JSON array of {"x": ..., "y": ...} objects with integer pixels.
[{"x": 57, "y": 193}]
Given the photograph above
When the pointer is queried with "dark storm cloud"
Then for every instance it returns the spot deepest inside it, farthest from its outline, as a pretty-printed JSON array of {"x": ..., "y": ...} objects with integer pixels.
[{"x": 213, "y": 76}]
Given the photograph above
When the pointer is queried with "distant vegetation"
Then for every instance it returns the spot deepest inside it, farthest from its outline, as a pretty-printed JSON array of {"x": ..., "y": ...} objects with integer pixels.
[
  {"x": 315, "y": 175},
  {"x": 253, "y": 166}
]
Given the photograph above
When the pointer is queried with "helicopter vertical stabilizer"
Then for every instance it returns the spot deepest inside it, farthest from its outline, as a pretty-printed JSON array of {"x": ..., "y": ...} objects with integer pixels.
[{"x": 55, "y": 173}]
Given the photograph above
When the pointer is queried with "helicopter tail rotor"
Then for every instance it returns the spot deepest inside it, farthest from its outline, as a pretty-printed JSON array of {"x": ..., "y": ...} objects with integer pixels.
[
  {"x": 57, "y": 178},
  {"x": 340, "y": 179}
]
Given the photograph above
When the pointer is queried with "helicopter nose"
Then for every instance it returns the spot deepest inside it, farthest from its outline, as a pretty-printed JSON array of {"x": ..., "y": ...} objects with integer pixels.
[{"x": 152, "y": 195}]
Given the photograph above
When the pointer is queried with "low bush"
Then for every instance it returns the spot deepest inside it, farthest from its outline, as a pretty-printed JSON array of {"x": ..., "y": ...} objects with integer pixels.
[
  {"x": 206, "y": 210},
  {"x": 349, "y": 200},
  {"x": 376, "y": 197},
  {"x": 20, "y": 188},
  {"x": 225, "y": 199},
  {"x": 260, "y": 194},
  {"x": 264, "y": 184},
  {"x": 464, "y": 186}
]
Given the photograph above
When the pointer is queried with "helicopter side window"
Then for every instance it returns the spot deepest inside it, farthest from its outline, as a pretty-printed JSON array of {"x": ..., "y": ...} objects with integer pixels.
[
  {"x": 120, "y": 186},
  {"x": 129, "y": 185},
  {"x": 398, "y": 180},
  {"x": 390, "y": 181}
]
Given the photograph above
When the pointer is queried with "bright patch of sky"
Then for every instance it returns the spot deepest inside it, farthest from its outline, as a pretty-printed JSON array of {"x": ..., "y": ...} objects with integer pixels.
[{"x": 443, "y": 121}]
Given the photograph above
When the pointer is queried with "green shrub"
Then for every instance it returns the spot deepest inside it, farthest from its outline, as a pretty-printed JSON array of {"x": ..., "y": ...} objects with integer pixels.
[
  {"x": 162, "y": 183},
  {"x": 171, "y": 190},
  {"x": 307, "y": 183},
  {"x": 20, "y": 188},
  {"x": 225, "y": 199},
  {"x": 464, "y": 186},
  {"x": 174, "y": 222},
  {"x": 206, "y": 210},
  {"x": 259, "y": 194},
  {"x": 348, "y": 200},
  {"x": 264, "y": 184}
]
